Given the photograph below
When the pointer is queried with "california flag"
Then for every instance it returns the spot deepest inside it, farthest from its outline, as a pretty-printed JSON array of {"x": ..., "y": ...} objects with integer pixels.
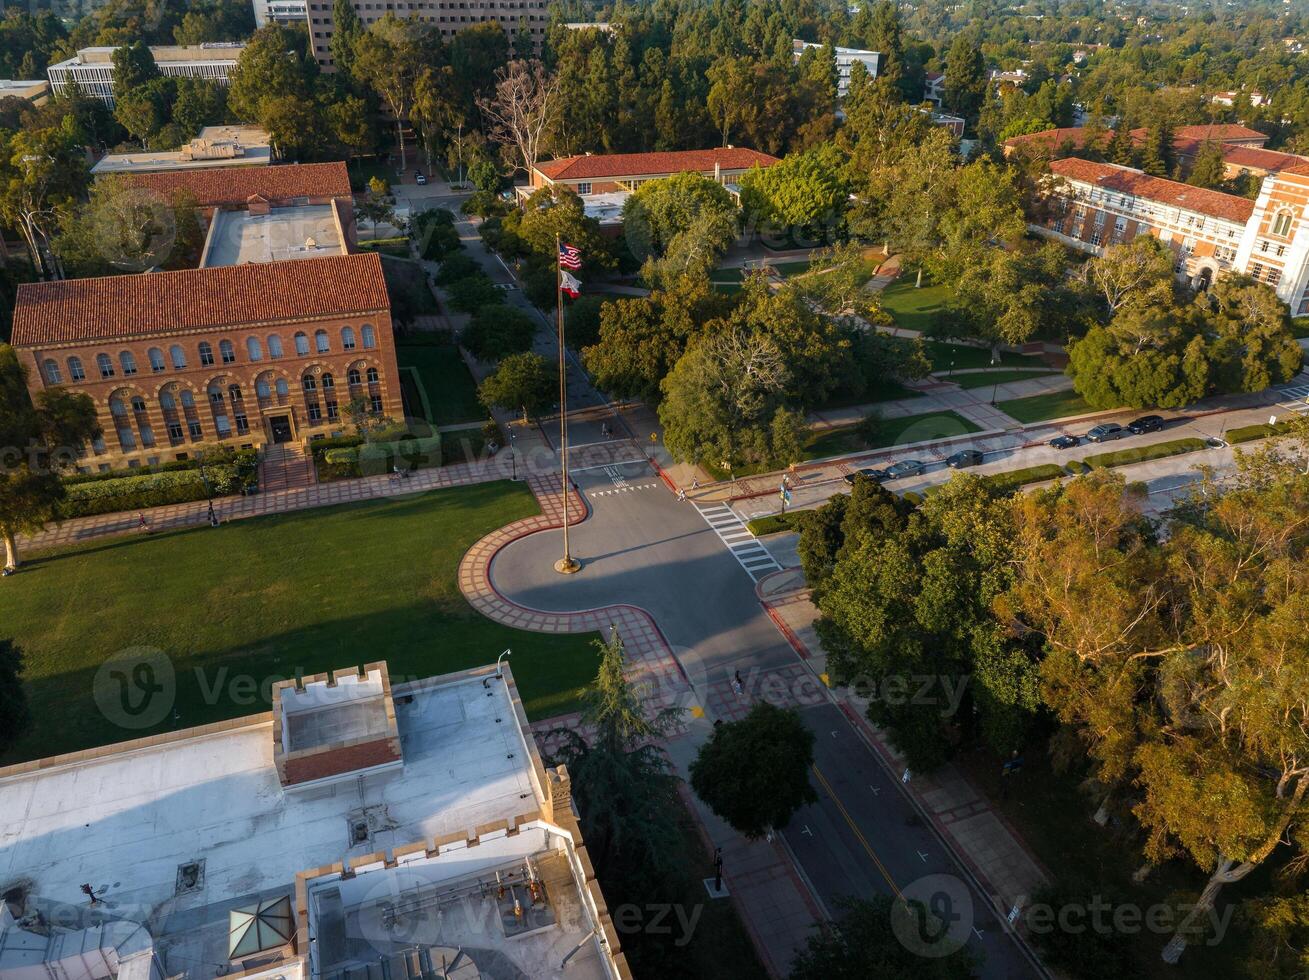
[{"x": 569, "y": 284}]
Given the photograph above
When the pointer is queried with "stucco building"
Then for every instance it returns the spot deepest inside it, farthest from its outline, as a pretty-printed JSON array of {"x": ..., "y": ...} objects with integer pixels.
[
  {"x": 93, "y": 68},
  {"x": 247, "y": 354}
]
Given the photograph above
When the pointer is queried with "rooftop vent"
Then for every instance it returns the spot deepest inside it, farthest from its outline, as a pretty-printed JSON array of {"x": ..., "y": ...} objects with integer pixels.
[{"x": 190, "y": 877}]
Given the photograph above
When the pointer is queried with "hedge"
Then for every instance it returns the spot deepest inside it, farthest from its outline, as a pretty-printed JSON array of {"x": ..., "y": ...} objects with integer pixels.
[
  {"x": 349, "y": 456},
  {"x": 1011, "y": 481},
  {"x": 771, "y": 524},
  {"x": 132, "y": 493},
  {"x": 912, "y": 498},
  {"x": 244, "y": 459},
  {"x": 1248, "y": 433},
  {"x": 1141, "y": 454}
]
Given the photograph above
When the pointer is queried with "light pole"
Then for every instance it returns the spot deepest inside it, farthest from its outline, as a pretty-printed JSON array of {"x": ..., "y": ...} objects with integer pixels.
[{"x": 513, "y": 452}]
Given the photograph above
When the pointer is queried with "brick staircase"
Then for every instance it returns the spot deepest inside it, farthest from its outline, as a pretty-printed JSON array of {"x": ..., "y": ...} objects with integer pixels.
[{"x": 286, "y": 467}]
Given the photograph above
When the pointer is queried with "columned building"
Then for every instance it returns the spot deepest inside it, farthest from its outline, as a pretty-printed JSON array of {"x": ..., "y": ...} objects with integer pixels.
[{"x": 249, "y": 354}]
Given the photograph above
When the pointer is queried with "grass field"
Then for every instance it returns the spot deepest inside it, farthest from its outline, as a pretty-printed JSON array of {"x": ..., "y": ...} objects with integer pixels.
[
  {"x": 1040, "y": 408},
  {"x": 983, "y": 378},
  {"x": 439, "y": 387},
  {"x": 943, "y": 355},
  {"x": 914, "y": 309},
  {"x": 890, "y": 432},
  {"x": 268, "y": 597}
]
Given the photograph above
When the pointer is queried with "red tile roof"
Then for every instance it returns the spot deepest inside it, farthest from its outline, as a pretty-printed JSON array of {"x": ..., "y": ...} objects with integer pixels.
[
  {"x": 614, "y": 165},
  {"x": 235, "y": 185},
  {"x": 1258, "y": 158},
  {"x": 1052, "y": 139},
  {"x": 1220, "y": 132},
  {"x": 119, "y": 307},
  {"x": 1128, "y": 181}
]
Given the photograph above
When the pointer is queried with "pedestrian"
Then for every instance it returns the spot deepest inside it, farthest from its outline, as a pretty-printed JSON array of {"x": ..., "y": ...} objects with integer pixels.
[
  {"x": 737, "y": 686},
  {"x": 141, "y": 523},
  {"x": 681, "y": 494},
  {"x": 695, "y": 483}
]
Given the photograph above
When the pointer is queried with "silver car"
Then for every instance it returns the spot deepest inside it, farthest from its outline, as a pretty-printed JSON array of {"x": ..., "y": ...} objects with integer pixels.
[{"x": 906, "y": 467}]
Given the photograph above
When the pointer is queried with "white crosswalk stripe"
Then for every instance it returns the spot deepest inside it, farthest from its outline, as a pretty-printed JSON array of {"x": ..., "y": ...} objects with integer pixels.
[
  {"x": 1296, "y": 394},
  {"x": 745, "y": 548},
  {"x": 627, "y": 489}
]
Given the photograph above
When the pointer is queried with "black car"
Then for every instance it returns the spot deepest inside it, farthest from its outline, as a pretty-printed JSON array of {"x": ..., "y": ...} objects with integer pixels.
[
  {"x": 1065, "y": 442},
  {"x": 1146, "y": 423},
  {"x": 877, "y": 476},
  {"x": 963, "y": 458},
  {"x": 1105, "y": 432}
]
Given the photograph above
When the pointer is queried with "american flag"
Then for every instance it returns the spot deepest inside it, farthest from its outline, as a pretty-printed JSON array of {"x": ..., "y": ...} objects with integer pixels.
[{"x": 569, "y": 257}]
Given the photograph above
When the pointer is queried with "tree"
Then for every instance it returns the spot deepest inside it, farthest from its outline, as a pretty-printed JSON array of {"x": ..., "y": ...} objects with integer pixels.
[
  {"x": 1251, "y": 343},
  {"x": 134, "y": 65},
  {"x": 123, "y": 228},
  {"x": 497, "y": 331},
  {"x": 965, "y": 77},
  {"x": 484, "y": 176},
  {"x": 39, "y": 441},
  {"x": 623, "y": 783},
  {"x": 805, "y": 191},
  {"x": 15, "y": 715},
  {"x": 521, "y": 110},
  {"x": 199, "y": 103},
  {"x": 144, "y": 110},
  {"x": 348, "y": 28},
  {"x": 1208, "y": 169},
  {"x": 638, "y": 345},
  {"x": 377, "y": 210},
  {"x": 868, "y": 943},
  {"x": 729, "y": 90},
  {"x": 390, "y": 56},
  {"x": 754, "y": 773},
  {"x": 522, "y": 382},
  {"x": 41, "y": 172},
  {"x": 659, "y": 210},
  {"x": 1141, "y": 270},
  {"x": 267, "y": 74}
]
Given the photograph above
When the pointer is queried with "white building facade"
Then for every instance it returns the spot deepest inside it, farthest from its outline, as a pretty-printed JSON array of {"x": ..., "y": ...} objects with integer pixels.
[
  {"x": 846, "y": 59},
  {"x": 93, "y": 68}
]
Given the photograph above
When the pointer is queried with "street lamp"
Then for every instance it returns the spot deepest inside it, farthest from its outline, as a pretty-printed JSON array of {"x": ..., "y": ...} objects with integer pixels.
[
  {"x": 513, "y": 452},
  {"x": 498, "y": 674}
]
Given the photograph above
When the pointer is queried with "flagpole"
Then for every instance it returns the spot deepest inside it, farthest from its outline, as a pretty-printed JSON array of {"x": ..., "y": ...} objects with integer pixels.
[{"x": 566, "y": 565}]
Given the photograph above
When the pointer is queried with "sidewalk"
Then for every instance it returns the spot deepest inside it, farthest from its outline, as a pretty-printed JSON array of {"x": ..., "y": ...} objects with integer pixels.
[{"x": 977, "y": 834}]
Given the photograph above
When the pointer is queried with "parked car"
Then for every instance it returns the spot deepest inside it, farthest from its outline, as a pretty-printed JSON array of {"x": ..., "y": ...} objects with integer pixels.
[
  {"x": 420, "y": 178},
  {"x": 877, "y": 476},
  {"x": 1105, "y": 432},
  {"x": 906, "y": 467},
  {"x": 1065, "y": 442},
  {"x": 1146, "y": 423},
  {"x": 963, "y": 458}
]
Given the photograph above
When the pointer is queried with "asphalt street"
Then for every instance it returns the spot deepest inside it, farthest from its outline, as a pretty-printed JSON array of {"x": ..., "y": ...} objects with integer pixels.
[{"x": 643, "y": 546}]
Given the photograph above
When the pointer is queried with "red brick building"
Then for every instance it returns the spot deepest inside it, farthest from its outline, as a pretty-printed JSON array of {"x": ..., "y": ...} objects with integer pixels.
[
  {"x": 248, "y": 354},
  {"x": 610, "y": 172}
]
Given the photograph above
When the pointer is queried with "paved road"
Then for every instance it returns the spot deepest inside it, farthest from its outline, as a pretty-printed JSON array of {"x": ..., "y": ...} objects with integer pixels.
[{"x": 644, "y": 547}]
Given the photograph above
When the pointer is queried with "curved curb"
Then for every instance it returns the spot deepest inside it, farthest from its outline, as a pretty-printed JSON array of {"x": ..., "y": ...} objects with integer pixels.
[{"x": 644, "y": 642}]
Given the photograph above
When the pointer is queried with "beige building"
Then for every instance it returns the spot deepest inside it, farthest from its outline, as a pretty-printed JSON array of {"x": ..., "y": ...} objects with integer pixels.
[
  {"x": 93, "y": 68},
  {"x": 217, "y": 147},
  {"x": 360, "y": 829},
  {"x": 446, "y": 16}
]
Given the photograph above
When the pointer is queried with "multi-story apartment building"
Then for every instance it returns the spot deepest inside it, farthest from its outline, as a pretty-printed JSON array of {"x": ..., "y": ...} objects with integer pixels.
[
  {"x": 846, "y": 59},
  {"x": 253, "y": 354},
  {"x": 93, "y": 68},
  {"x": 1095, "y": 205},
  {"x": 447, "y": 16},
  {"x": 279, "y": 12}
]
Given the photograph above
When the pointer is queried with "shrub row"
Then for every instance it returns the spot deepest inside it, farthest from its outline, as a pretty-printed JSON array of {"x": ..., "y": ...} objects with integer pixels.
[
  {"x": 213, "y": 456},
  {"x": 132, "y": 493},
  {"x": 340, "y": 462},
  {"x": 771, "y": 524},
  {"x": 1141, "y": 454},
  {"x": 1011, "y": 481},
  {"x": 1248, "y": 433}
]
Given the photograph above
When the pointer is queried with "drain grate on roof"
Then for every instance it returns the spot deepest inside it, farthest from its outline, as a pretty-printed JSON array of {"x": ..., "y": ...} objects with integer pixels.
[{"x": 190, "y": 877}]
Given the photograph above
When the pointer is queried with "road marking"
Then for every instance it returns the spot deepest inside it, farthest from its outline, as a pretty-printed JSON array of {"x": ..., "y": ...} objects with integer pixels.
[
  {"x": 876, "y": 791},
  {"x": 610, "y": 493},
  {"x": 744, "y": 546},
  {"x": 922, "y": 857},
  {"x": 605, "y": 466},
  {"x": 807, "y": 830},
  {"x": 858, "y": 834}
]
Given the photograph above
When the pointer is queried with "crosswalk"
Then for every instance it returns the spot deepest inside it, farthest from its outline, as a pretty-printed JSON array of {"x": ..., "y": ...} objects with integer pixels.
[
  {"x": 745, "y": 548},
  {"x": 1295, "y": 396},
  {"x": 626, "y": 489}
]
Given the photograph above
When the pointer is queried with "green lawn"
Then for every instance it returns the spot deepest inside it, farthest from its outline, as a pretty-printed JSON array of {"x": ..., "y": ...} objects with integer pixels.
[
  {"x": 944, "y": 356},
  {"x": 727, "y": 275},
  {"x": 788, "y": 269},
  {"x": 983, "y": 378},
  {"x": 362, "y": 170},
  {"x": 890, "y": 432},
  {"x": 406, "y": 284},
  {"x": 1040, "y": 408},
  {"x": 268, "y": 597},
  {"x": 914, "y": 309},
  {"x": 437, "y": 383},
  {"x": 887, "y": 391}
]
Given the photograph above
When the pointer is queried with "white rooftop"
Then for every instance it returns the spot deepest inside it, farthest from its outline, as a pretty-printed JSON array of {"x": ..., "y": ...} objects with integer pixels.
[
  {"x": 126, "y": 822},
  {"x": 305, "y": 232},
  {"x": 607, "y": 208}
]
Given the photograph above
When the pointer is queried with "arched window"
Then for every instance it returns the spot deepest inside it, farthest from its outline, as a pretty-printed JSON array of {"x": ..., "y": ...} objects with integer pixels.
[
  {"x": 274, "y": 346},
  {"x": 52, "y": 375},
  {"x": 105, "y": 364},
  {"x": 156, "y": 359},
  {"x": 227, "y": 352},
  {"x": 167, "y": 402},
  {"x": 262, "y": 389},
  {"x": 234, "y": 392},
  {"x": 75, "y": 371},
  {"x": 1282, "y": 224},
  {"x": 188, "y": 400},
  {"x": 206, "y": 353},
  {"x": 301, "y": 344},
  {"x": 127, "y": 361},
  {"x": 178, "y": 358},
  {"x": 329, "y": 382},
  {"x": 373, "y": 376},
  {"x": 116, "y": 407},
  {"x": 216, "y": 393},
  {"x": 138, "y": 403},
  {"x": 353, "y": 378},
  {"x": 321, "y": 343},
  {"x": 253, "y": 350},
  {"x": 283, "y": 389},
  {"x": 370, "y": 338},
  {"x": 309, "y": 383},
  {"x": 348, "y": 338}
]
